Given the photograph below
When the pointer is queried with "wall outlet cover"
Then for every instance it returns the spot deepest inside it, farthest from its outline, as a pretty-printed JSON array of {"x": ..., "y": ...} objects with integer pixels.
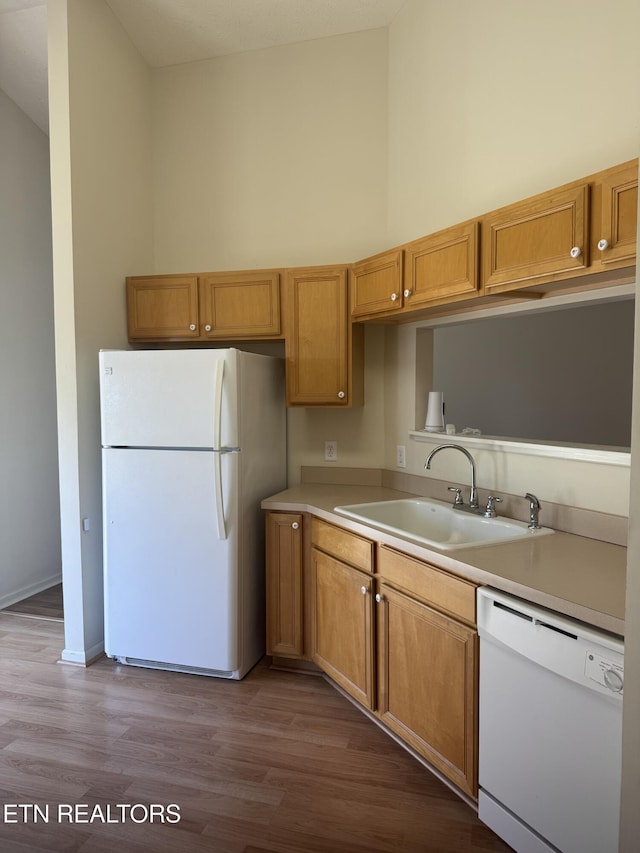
[
  {"x": 401, "y": 456},
  {"x": 330, "y": 451}
]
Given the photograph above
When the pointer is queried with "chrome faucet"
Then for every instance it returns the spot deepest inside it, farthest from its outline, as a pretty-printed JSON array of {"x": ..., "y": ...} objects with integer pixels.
[
  {"x": 473, "y": 496},
  {"x": 534, "y": 509}
]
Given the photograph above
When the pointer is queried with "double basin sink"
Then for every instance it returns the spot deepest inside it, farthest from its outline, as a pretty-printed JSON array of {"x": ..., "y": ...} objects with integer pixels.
[{"x": 438, "y": 524}]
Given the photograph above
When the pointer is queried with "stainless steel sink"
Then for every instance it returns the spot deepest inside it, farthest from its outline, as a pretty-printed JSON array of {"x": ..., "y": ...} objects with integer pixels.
[{"x": 438, "y": 524}]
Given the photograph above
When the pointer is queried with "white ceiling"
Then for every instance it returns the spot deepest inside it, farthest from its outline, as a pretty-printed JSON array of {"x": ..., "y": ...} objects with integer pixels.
[{"x": 170, "y": 32}]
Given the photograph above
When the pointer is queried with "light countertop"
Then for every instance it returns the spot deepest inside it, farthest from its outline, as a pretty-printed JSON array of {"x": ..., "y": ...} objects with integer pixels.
[{"x": 579, "y": 577}]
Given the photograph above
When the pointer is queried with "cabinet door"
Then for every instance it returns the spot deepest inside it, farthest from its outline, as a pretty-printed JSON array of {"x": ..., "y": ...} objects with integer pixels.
[
  {"x": 442, "y": 266},
  {"x": 323, "y": 368},
  {"x": 240, "y": 305},
  {"x": 376, "y": 285},
  {"x": 343, "y": 631},
  {"x": 616, "y": 240},
  {"x": 284, "y": 584},
  {"x": 162, "y": 307},
  {"x": 540, "y": 239},
  {"x": 427, "y": 684}
]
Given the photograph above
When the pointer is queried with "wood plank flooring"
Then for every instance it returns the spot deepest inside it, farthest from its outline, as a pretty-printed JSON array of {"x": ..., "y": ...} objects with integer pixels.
[
  {"x": 47, "y": 603},
  {"x": 276, "y": 763}
]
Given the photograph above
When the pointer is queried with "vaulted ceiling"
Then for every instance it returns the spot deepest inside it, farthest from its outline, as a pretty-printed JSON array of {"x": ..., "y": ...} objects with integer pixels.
[{"x": 170, "y": 32}]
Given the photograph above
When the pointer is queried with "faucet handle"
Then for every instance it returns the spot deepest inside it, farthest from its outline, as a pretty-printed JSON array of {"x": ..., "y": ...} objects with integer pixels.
[
  {"x": 457, "y": 501},
  {"x": 490, "y": 511}
]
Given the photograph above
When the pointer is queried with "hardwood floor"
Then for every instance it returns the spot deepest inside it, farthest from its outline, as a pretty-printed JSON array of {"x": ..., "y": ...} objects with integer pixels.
[
  {"x": 276, "y": 763},
  {"x": 47, "y": 603}
]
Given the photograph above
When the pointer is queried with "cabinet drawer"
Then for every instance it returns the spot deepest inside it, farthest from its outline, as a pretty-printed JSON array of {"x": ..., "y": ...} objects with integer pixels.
[
  {"x": 437, "y": 588},
  {"x": 345, "y": 546}
]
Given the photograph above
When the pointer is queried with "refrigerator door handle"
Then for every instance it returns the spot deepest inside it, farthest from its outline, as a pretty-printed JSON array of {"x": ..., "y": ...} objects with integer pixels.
[
  {"x": 217, "y": 455},
  {"x": 217, "y": 414},
  {"x": 217, "y": 470}
]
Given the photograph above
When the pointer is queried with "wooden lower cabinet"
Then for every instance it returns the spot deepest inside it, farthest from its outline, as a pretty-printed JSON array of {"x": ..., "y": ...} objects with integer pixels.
[
  {"x": 427, "y": 684},
  {"x": 343, "y": 630},
  {"x": 401, "y": 639},
  {"x": 284, "y": 584}
]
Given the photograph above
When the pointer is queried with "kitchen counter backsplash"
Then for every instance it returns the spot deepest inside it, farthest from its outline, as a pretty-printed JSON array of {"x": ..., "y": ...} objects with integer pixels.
[{"x": 581, "y": 522}]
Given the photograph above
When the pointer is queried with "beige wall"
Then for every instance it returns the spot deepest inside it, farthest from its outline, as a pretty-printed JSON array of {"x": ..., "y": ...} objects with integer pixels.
[
  {"x": 101, "y": 205},
  {"x": 489, "y": 103},
  {"x": 272, "y": 158},
  {"x": 494, "y": 101},
  {"x": 279, "y": 158},
  {"x": 29, "y": 509}
]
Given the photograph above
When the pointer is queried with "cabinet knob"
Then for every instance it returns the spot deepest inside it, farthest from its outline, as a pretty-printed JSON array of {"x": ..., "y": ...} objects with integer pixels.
[
  {"x": 341, "y": 395},
  {"x": 576, "y": 252},
  {"x": 364, "y": 590},
  {"x": 295, "y": 525},
  {"x": 379, "y": 598},
  {"x": 603, "y": 244},
  {"x": 192, "y": 327},
  {"x": 207, "y": 328},
  {"x": 406, "y": 293},
  {"x": 394, "y": 297}
]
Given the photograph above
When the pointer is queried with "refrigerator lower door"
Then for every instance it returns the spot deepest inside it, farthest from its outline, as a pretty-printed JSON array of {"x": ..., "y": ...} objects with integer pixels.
[{"x": 171, "y": 584}]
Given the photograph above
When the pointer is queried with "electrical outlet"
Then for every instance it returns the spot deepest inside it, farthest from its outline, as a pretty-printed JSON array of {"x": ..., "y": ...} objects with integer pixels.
[
  {"x": 330, "y": 451},
  {"x": 401, "y": 456}
]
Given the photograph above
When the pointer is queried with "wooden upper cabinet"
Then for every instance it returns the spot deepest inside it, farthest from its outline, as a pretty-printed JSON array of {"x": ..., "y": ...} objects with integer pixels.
[
  {"x": 614, "y": 233},
  {"x": 240, "y": 304},
  {"x": 162, "y": 307},
  {"x": 323, "y": 351},
  {"x": 542, "y": 238},
  {"x": 442, "y": 266},
  {"x": 207, "y": 306},
  {"x": 376, "y": 285}
]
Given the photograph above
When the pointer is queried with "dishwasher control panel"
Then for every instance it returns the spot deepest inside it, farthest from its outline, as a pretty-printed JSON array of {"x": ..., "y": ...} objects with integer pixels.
[{"x": 605, "y": 671}]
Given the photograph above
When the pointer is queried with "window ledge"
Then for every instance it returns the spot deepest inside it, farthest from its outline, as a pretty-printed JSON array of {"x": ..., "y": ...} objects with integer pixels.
[{"x": 523, "y": 447}]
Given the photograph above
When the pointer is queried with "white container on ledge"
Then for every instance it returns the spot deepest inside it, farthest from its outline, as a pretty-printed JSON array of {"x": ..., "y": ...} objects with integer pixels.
[{"x": 435, "y": 412}]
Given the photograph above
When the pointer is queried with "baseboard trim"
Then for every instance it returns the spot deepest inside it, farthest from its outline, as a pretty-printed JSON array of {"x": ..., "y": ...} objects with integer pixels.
[
  {"x": 29, "y": 590},
  {"x": 79, "y": 658}
]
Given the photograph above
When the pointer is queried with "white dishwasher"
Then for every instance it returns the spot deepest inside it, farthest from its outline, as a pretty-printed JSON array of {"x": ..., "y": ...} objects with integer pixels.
[{"x": 550, "y": 728}]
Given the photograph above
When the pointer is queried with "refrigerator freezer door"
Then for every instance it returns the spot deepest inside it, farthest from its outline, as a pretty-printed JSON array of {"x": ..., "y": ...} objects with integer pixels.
[
  {"x": 171, "y": 585},
  {"x": 166, "y": 398}
]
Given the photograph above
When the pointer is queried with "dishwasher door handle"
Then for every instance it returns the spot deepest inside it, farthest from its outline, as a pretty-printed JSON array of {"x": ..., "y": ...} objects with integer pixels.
[{"x": 555, "y": 628}]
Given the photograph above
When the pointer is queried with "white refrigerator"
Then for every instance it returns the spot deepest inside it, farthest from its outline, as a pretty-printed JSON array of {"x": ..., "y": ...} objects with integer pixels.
[{"x": 192, "y": 440}]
